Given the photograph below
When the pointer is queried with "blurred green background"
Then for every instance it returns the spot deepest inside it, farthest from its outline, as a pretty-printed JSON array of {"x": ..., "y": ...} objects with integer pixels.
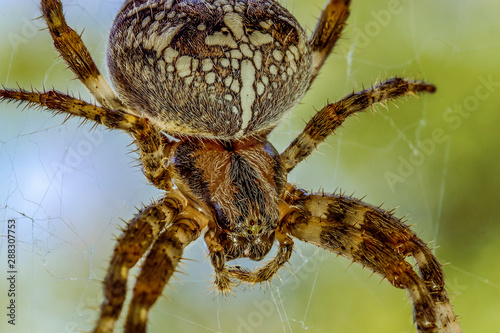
[{"x": 67, "y": 186}]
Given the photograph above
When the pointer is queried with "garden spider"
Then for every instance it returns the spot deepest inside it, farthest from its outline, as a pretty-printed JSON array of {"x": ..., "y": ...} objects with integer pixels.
[{"x": 200, "y": 85}]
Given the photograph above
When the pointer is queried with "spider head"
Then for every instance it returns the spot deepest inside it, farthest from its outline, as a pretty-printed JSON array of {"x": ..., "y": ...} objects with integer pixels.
[
  {"x": 241, "y": 182},
  {"x": 248, "y": 234},
  {"x": 241, "y": 245}
]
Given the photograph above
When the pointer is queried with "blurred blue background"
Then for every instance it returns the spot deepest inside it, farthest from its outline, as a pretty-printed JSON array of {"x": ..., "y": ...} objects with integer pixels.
[{"x": 67, "y": 186}]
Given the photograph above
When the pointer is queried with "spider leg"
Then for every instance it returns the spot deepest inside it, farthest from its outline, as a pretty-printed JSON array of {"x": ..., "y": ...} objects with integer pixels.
[
  {"x": 73, "y": 51},
  {"x": 426, "y": 263},
  {"x": 376, "y": 239},
  {"x": 328, "y": 30},
  {"x": 154, "y": 148},
  {"x": 135, "y": 240},
  {"x": 222, "y": 281},
  {"x": 152, "y": 143},
  {"x": 160, "y": 264},
  {"x": 62, "y": 103},
  {"x": 326, "y": 121}
]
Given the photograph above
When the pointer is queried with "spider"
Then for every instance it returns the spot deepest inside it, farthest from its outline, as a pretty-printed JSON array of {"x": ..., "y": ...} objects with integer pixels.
[{"x": 199, "y": 85}]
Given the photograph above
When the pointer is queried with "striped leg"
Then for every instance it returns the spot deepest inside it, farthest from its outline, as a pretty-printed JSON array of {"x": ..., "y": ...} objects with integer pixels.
[
  {"x": 432, "y": 275},
  {"x": 333, "y": 115},
  {"x": 70, "y": 106},
  {"x": 328, "y": 30},
  {"x": 152, "y": 143},
  {"x": 223, "y": 281},
  {"x": 136, "y": 239},
  {"x": 160, "y": 264},
  {"x": 375, "y": 239},
  {"x": 73, "y": 51}
]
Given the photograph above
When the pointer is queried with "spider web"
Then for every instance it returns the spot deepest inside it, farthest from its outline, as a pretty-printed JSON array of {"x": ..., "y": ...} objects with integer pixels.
[{"x": 67, "y": 186}]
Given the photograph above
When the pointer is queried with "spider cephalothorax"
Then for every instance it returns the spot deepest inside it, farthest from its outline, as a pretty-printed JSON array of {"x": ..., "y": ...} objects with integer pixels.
[
  {"x": 199, "y": 86},
  {"x": 241, "y": 183}
]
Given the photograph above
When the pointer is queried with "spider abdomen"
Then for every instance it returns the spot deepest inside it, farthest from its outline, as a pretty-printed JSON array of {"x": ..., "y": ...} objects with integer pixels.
[{"x": 214, "y": 68}]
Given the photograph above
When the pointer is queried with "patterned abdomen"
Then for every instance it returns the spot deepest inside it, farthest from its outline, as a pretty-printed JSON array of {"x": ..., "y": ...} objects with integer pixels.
[{"x": 209, "y": 68}]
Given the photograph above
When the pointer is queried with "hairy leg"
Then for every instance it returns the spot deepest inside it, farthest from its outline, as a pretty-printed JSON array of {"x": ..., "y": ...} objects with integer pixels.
[
  {"x": 153, "y": 145},
  {"x": 160, "y": 264},
  {"x": 135, "y": 240},
  {"x": 70, "y": 106},
  {"x": 223, "y": 281},
  {"x": 376, "y": 239},
  {"x": 432, "y": 275},
  {"x": 73, "y": 51},
  {"x": 326, "y": 121},
  {"x": 328, "y": 30}
]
